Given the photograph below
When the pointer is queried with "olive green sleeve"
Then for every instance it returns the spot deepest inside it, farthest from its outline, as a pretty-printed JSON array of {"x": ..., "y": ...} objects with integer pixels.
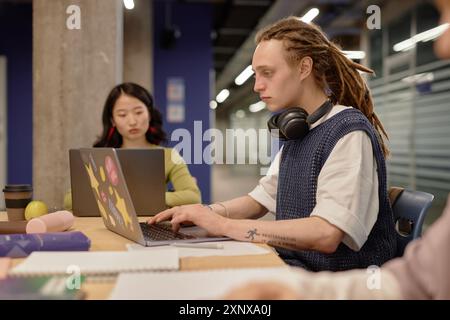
[{"x": 185, "y": 186}]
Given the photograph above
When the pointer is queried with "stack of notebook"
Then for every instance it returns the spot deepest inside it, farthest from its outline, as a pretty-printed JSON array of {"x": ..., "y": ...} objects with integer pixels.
[
  {"x": 21, "y": 245},
  {"x": 96, "y": 263}
]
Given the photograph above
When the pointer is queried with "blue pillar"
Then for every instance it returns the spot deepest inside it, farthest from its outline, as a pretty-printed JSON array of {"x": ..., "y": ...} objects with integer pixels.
[
  {"x": 189, "y": 59},
  {"x": 16, "y": 44}
]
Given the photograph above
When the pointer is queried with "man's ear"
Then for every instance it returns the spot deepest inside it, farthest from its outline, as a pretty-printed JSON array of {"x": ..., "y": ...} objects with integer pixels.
[{"x": 305, "y": 67}]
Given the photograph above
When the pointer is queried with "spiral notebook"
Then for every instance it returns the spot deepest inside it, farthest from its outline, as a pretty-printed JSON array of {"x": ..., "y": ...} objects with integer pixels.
[{"x": 96, "y": 263}]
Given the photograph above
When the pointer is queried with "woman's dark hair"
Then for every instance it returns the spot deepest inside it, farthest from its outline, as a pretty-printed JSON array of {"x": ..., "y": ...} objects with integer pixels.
[{"x": 112, "y": 138}]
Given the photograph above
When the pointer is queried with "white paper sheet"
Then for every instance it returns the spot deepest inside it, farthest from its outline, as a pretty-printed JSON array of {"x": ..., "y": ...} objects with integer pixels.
[
  {"x": 193, "y": 285},
  {"x": 230, "y": 248}
]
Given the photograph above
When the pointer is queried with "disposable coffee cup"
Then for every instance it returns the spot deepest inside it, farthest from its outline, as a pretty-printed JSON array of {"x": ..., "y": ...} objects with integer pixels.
[{"x": 17, "y": 197}]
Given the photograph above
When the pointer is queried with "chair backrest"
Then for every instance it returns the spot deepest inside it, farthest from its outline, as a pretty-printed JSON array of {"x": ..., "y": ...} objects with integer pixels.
[{"x": 409, "y": 208}]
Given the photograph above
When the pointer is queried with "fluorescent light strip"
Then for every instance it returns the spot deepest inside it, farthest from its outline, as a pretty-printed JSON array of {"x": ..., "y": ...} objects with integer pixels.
[
  {"x": 244, "y": 75},
  {"x": 432, "y": 33},
  {"x": 356, "y": 55},
  {"x": 129, "y": 4},
  {"x": 419, "y": 78},
  {"x": 425, "y": 36},
  {"x": 222, "y": 96},
  {"x": 213, "y": 104},
  {"x": 405, "y": 45},
  {"x": 310, "y": 15},
  {"x": 258, "y": 106}
]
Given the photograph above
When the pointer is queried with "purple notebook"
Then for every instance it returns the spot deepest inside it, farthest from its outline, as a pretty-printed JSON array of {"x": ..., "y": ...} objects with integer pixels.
[{"x": 21, "y": 245}]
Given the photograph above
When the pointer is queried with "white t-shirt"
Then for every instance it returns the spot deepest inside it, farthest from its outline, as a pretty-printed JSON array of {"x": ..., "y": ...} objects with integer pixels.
[{"x": 347, "y": 186}]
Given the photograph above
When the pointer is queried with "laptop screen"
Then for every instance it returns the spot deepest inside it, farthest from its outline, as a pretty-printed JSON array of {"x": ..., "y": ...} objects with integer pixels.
[{"x": 110, "y": 191}]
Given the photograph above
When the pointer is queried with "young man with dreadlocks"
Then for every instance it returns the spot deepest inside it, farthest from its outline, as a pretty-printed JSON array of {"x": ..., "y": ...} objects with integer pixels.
[
  {"x": 328, "y": 183},
  {"x": 421, "y": 273}
]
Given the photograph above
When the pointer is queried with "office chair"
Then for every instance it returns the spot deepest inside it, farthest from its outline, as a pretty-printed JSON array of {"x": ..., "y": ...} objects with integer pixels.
[{"x": 409, "y": 208}]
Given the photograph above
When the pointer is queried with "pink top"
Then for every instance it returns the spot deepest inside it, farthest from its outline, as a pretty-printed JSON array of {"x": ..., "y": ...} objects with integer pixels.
[{"x": 422, "y": 273}]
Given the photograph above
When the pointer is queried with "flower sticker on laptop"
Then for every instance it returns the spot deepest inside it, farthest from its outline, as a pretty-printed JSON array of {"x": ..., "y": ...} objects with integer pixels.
[{"x": 111, "y": 169}]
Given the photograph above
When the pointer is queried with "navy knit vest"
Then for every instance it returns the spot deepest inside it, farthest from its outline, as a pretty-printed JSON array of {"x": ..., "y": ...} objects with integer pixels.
[{"x": 300, "y": 165}]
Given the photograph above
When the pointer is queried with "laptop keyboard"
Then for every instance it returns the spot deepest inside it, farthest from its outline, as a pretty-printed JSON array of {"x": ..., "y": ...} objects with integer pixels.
[{"x": 158, "y": 232}]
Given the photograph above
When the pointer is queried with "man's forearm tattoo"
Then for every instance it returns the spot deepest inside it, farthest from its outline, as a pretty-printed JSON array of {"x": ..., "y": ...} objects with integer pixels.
[
  {"x": 280, "y": 241},
  {"x": 251, "y": 234},
  {"x": 272, "y": 239}
]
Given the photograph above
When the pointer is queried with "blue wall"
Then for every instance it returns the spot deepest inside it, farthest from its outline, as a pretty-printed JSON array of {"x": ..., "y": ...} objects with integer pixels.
[
  {"x": 190, "y": 59},
  {"x": 16, "y": 44}
]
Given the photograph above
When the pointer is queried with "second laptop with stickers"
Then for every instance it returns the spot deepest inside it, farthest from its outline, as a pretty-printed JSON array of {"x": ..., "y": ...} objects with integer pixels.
[{"x": 116, "y": 207}]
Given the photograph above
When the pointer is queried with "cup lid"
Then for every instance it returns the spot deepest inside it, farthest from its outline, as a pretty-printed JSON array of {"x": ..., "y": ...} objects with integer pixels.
[{"x": 18, "y": 188}]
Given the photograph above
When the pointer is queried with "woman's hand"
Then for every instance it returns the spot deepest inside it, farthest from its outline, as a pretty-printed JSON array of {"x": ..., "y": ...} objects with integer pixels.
[{"x": 198, "y": 214}]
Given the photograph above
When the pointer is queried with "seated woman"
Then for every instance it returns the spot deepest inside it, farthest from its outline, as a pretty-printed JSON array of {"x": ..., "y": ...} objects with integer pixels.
[{"x": 130, "y": 120}]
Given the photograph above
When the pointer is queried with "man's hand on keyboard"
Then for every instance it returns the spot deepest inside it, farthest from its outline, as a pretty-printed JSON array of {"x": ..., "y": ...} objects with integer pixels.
[{"x": 198, "y": 214}]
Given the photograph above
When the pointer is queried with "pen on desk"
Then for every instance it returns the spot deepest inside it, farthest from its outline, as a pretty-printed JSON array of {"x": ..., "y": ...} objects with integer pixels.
[{"x": 198, "y": 245}]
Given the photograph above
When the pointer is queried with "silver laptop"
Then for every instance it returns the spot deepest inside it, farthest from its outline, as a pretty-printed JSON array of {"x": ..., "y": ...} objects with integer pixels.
[
  {"x": 144, "y": 174},
  {"x": 110, "y": 190}
]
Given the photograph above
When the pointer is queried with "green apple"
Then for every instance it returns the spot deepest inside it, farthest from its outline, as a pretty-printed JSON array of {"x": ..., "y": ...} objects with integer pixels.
[{"x": 35, "y": 209}]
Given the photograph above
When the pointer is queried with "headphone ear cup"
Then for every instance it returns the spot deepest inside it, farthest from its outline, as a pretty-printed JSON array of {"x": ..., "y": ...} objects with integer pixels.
[
  {"x": 272, "y": 124},
  {"x": 292, "y": 123}
]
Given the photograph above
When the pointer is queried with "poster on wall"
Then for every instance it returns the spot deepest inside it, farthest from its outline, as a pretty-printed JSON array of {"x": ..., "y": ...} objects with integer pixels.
[
  {"x": 175, "y": 113},
  {"x": 175, "y": 100}
]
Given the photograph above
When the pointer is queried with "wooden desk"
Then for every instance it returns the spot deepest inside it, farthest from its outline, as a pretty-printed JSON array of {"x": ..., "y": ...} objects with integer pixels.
[{"x": 104, "y": 240}]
